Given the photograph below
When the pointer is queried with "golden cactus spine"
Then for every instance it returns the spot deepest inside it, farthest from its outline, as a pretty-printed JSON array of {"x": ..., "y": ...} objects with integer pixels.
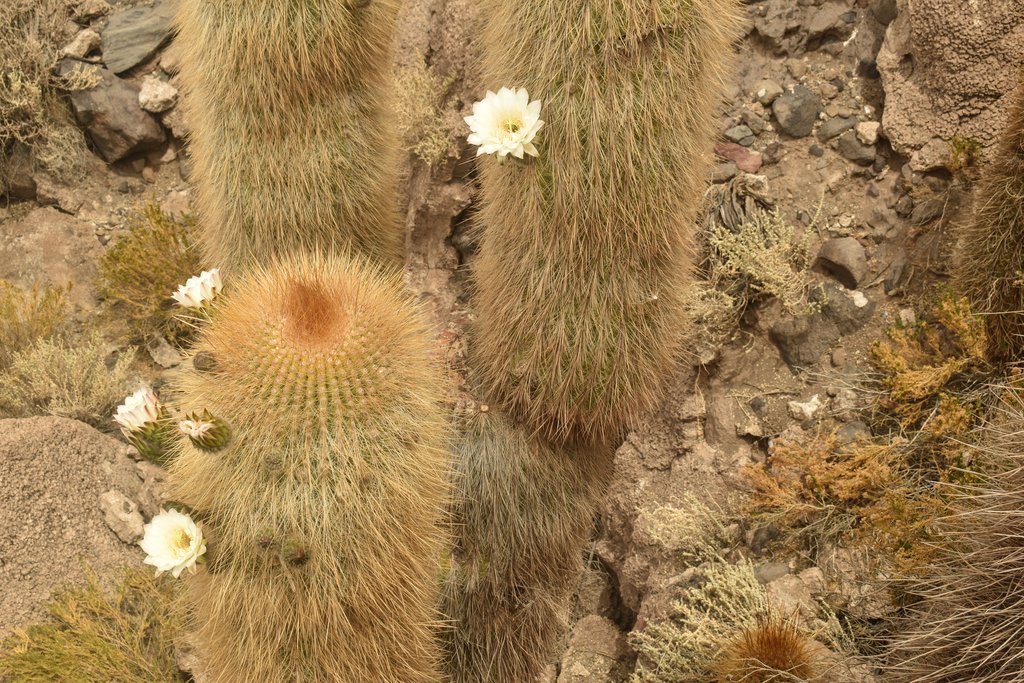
[
  {"x": 323, "y": 505},
  {"x": 585, "y": 252},
  {"x": 525, "y": 513},
  {"x": 989, "y": 263},
  {"x": 291, "y": 142}
]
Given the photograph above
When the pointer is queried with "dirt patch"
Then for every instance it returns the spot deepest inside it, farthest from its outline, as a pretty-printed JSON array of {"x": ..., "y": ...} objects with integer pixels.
[{"x": 52, "y": 474}]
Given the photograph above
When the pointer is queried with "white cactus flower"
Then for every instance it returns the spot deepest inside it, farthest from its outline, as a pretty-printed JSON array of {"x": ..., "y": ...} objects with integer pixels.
[
  {"x": 199, "y": 289},
  {"x": 138, "y": 410},
  {"x": 172, "y": 543},
  {"x": 505, "y": 123},
  {"x": 195, "y": 428}
]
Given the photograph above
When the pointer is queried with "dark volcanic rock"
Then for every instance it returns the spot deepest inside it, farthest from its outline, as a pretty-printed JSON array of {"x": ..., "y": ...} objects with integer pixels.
[
  {"x": 796, "y": 111},
  {"x": 134, "y": 35},
  {"x": 844, "y": 259},
  {"x": 835, "y": 126},
  {"x": 111, "y": 116},
  {"x": 855, "y": 150}
]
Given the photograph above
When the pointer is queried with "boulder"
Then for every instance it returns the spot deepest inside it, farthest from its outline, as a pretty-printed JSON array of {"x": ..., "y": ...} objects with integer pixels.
[
  {"x": 134, "y": 35},
  {"x": 946, "y": 66},
  {"x": 110, "y": 114},
  {"x": 53, "y": 472}
]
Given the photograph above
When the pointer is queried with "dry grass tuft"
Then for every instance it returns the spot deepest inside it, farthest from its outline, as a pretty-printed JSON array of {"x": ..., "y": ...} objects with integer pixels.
[
  {"x": 420, "y": 114},
  {"x": 140, "y": 271},
  {"x": 93, "y": 637},
  {"x": 66, "y": 379},
  {"x": 26, "y": 317},
  {"x": 966, "y": 627},
  {"x": 32, "y": 115},
  {"x": 774, "y": 650}
]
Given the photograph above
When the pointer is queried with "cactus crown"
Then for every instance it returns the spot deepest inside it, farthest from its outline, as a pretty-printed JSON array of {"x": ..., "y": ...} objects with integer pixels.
[{"x": 313, "y": 347}]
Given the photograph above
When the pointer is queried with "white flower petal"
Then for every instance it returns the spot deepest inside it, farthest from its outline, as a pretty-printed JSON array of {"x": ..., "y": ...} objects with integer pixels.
[
  {"x": 504, "y": 123},
  {"x": 172, "y": 542}
]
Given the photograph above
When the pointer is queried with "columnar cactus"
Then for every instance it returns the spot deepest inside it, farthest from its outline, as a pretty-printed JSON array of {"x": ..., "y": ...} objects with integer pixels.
[
  {"x": 585, "y": 252},
  {"x": 323, "y": 503},
  {"x": 990, "y": 253},
  {"x": 526, "y": 511},
  {"x": 291, "y": 141}
]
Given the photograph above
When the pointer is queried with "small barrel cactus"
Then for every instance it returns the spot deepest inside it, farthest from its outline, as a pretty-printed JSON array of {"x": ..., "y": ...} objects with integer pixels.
[
  {"x": 989, "y": 259},
  {"x": 585, "y": 252},
  {"x": 525, "y": 514},
  {"x": 291, "y": 139},
  {"x": 323, "y": 503}
]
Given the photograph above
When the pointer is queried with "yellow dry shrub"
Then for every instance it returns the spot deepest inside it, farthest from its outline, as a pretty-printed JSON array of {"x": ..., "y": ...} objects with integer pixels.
[
  {"x": 683, "y": 647},
  {"x": 126, "y": 636},
  {"x": 32, "y": 113},
  {"x": 28, "y": 316},
  {"x": 765, "y": 255},
  {"x": 419, "y": 104},
  {"x": 66, "y": 379}
]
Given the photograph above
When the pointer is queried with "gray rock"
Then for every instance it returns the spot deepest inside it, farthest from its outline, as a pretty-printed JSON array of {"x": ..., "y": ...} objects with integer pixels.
[
  {"x": 85, "y": 42},
  {"x": 796, "y": 111},
  {"x": 122, "y": 516},
  {"x": 88, "y": 10},
  {"x": 753, "y": 121},
  {"x": 741, "y": 135},
  {"x": 767, "y": 90},
  {"x": 792, "y": 595},
  {"x": 162, "y": 353},
  {"x": 835, "y": 126},
  {"x": 111, "y": 116},
  {"x": 844, "y": 259},
  {"x": 157, "y": 96},
  {"x": 134, "y": 35},
  {"x": 884, "y": 10},
  {"x": 852, "y": 432},
  {"x": 176, "y": 122},
  {"x": 867, "y": 132},
  {"x": 723, "y": 171},
  {"x": 598, "y": 652},
  {"x": 928, "y": 210},
  {"x": 832, "y": 19},
  {"x": 847, "y": 310},
  {"x": 856, "y": 151},
  {"x": 804, "y": 410},
  {"x": 766, "y": 573},
  {"x": 781, "y": 18},
  {"x": 803, "y": 341}
]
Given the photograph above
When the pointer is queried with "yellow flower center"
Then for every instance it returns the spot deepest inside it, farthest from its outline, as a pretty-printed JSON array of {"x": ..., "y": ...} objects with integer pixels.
[
  {"x": 181, "y": 542},
  {"x": 511, "y": 125}
]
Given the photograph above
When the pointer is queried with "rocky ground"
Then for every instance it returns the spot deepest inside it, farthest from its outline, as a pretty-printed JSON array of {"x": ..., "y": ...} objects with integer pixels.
[{"x": 857, "y": 119}]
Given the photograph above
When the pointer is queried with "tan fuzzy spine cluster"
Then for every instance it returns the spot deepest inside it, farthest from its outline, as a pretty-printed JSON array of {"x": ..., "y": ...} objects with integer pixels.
[
  {"x": 525, "y": 514},
  {"x": 772, "y": 650},
  {"x": 292, "y": 144},
  {"x": 586, "y": 250},
  {"x": 323, "y": 513},
  {"x": 989, "y": 260}
]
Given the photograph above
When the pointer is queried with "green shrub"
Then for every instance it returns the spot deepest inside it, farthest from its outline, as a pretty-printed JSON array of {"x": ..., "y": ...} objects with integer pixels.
[{"x": 138, "y": 274}]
